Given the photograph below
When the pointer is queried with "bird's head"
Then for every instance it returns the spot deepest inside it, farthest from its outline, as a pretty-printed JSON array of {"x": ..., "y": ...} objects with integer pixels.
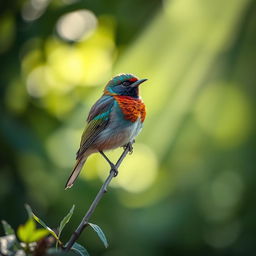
[{"x": 125, "y": 85}]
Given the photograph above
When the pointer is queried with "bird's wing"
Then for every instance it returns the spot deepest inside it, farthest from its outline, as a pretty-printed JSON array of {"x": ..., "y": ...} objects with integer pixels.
[{"x": 98, "y": 119}]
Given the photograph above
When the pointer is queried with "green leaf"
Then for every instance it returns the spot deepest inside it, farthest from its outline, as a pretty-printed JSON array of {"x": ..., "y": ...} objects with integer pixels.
[
  {"x": 8, "y": 230},
  {"x": 28, "y": 233},
  {"x": 59, "y": 252},
  {"x": 66, "y": 219},
  {"x": 46, "y": 227},
  {"x": 79, "y": 249},
  {"x": 29, "y": 211},
  {"x": 39, "y": 234},
  {"x": 100, "y": 233},
  {"x": 25, "y": 231}
]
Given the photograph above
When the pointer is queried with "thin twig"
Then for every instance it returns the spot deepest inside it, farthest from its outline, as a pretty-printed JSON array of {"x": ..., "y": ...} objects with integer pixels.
[{"x": 97, "y": 199}]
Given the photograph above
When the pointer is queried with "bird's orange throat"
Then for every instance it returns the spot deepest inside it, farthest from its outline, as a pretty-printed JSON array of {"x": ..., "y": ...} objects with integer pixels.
[{"x": 132, "y": 108}]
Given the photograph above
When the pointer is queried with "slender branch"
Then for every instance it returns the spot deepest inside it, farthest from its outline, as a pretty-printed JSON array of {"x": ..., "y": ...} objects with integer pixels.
[{"x": 97, "y": 199}]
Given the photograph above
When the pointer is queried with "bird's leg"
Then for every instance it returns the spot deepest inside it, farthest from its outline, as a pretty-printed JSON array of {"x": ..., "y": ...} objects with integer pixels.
[
  {"x": 129, "y": 146},
  {"x": 113, "y": 167}
]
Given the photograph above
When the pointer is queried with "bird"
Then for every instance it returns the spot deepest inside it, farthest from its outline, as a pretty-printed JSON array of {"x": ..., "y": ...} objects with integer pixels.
[{"x": 114, "y": 121}]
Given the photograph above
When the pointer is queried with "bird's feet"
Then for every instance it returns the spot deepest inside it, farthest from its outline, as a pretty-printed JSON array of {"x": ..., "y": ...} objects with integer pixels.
[
  {"x": 114, "y": 169},
  {"x": 129, "y": 146}
]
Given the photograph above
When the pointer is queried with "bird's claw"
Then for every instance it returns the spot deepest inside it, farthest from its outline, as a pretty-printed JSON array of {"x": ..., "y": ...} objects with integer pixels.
[
  {"x": 130, "y": 147},
  {"x": 114, "y": 169},
  {"x": 116, "y": 172}
]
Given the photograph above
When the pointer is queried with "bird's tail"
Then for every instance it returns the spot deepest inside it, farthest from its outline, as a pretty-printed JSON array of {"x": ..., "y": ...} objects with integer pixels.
[{"x": 76, "y": 170}]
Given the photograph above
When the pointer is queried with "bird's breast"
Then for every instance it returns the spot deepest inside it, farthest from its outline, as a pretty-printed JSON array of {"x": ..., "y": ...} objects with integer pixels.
[{"x": 131, "y": 108}]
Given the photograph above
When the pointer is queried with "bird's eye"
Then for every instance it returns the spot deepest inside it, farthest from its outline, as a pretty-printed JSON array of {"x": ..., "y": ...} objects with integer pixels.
[{"x": 125, "y": 83}]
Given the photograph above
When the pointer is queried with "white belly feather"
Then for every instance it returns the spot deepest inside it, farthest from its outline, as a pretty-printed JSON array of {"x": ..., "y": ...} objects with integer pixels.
[{"x": 116, "y": 135}]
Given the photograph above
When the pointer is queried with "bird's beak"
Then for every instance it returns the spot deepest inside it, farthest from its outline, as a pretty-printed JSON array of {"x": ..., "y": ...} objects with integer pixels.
[{"x": 137, "y": 83}]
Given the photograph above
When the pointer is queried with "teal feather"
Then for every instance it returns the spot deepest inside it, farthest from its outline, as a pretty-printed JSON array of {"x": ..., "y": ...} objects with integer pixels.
[{"x": 103, "y": 116}]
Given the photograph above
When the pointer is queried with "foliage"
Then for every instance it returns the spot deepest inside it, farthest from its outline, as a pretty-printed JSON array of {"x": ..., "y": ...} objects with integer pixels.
[
  {"x": 80, "y": 249},
  {"x": 100, "y": 233},
  {"x": 40, "y": 241}
]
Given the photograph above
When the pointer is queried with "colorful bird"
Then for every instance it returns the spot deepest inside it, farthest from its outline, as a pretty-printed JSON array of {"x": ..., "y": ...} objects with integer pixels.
[{"x": 113, "y": 121}]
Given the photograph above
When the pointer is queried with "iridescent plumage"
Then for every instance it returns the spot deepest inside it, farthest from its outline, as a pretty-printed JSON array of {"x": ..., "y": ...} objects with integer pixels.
[{"x": 113, "y": 121}]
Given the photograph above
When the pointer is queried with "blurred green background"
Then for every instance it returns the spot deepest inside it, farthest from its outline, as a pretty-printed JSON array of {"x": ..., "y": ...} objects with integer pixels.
[{"x": 189, "y": 186}]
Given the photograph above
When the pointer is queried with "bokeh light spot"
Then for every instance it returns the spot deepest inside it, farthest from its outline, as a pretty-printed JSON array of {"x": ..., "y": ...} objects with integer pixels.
[
  {"x": 71, "y": 71},
  {"x": 36, "y": 84},
  {"x": 222, "y": 197},
  {"x": 137, "y": 173},
  {"x": 223, "y": 112},
  {"x": 33, "y": 9},
  {"x": 16, "y": 90},
  {"x": 90, "y": 168},
  {"x": 223, "y": 236},
  {"x": 226, "y": 191},
  {"x": 61, "y": 147},
  {"x": 76, "y": 25}
]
